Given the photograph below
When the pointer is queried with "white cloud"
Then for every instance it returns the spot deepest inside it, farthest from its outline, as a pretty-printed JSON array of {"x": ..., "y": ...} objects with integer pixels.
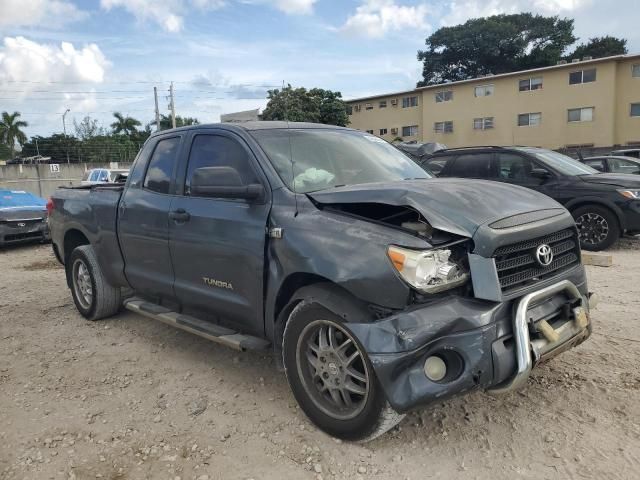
[
  {"x": 18, "y": 13},
  {"x": 169, "y": 14},
  {"x": 23, "y": 60},
  {"x": 462, "y": 10},
  {"x": 374, "y": 18}
]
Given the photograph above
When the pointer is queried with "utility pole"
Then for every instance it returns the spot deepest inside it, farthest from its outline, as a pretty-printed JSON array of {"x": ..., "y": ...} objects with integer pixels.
[
  {"x": 37, "y": 149},
  {"x": 64, "y": 128},
  {"x": 155, "y": 96},
  {"x": 172, "y": 106}
]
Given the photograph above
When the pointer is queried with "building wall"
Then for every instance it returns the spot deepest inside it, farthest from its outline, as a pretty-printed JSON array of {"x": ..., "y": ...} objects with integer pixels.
[
  {"x": 610, "y": 95},
  {"x": 628, "y": 92}
]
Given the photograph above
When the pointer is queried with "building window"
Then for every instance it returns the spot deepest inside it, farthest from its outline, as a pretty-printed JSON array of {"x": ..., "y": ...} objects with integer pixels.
[
  {"x": 635, "y": 71},
  {"x": 383, "y": 131},
  {"x": 635, "y": 109},
  {"x": 528, "y": 84},
  {"x": 368, "y": 106},
  {"x": 410, "y": 131},
  {"x": 483, "y": 90},
  {"x": 409, "y": 102},
  {"x": 444, "y": 96},
  {"x": 349, "y": 110},
  {"x": 394, "y": 131},
  {"x": 580, "y": 114},
  {"x": 485, "y": 123},
  {"x": 356, "y": 108},
  {"x": 443, "y": 127},
  {"x": 529, "y": 119},
  {"x": 382, "y": 104},
  {"x": 369, "y": 131},
  {"x": 582, "y": 76}
]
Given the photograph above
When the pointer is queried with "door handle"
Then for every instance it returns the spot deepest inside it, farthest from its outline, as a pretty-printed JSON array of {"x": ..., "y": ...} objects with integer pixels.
[{"x": 179, "y": 215}]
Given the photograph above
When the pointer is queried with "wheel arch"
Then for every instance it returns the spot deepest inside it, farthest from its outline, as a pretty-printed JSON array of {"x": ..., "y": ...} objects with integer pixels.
[
  {"x": 584, "y": 201},
  {"x": 306, "y": 286},
  {"x": 73, "y": 239}
]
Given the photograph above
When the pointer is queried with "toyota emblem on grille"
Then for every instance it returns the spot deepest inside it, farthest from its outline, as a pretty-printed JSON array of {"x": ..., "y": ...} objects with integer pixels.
[
  {"x": 544, "y": 255},
  {"x": 21, "y": 224}
]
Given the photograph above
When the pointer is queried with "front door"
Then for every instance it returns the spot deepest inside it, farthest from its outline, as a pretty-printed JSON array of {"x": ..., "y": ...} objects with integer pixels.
[
  {"x": 516, "y": 169},
  {"x": 217, "y": 244},
  {"x": 143, "y": 224}
]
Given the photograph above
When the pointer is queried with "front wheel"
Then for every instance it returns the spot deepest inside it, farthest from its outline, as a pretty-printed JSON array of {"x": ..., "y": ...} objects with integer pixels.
[
  {"x": 94, "y": 297},
  {"x": 331, "y": 376},
  {"x": 597, "y": 227}
]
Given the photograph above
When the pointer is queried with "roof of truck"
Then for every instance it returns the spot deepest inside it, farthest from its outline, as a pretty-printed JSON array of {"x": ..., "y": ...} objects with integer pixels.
[{"x": 257, "y": 125}]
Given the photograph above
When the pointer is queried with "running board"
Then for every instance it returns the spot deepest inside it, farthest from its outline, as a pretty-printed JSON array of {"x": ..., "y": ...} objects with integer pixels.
[{"x": 208, "y": 330}]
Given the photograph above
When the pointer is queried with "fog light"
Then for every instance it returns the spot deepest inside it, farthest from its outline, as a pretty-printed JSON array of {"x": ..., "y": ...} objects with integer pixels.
[{"x": 435, "y": 369}]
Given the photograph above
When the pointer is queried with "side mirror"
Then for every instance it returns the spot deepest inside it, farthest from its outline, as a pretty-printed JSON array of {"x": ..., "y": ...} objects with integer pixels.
[
  {"x": 541, "y": 173},
  {"x": 223, "y": 182}
]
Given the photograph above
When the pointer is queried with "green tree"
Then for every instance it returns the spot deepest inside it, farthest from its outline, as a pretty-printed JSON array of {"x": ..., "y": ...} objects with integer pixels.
[
  {"x": 124, "y": 124},
  {"x": 165, "y": 122},
  {"x": 599, "y": 47},
  {"x": 10, "y": 131},
  {"x": 493, "y": 45},
  {"x": 301, "y": 105},
  {"x": 87, "y": 128}
]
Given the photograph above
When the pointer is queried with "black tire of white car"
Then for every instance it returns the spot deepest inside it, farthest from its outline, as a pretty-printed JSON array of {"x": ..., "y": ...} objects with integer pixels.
[
  {"x": 591, "y": 220},
  {"x": 373, "y": 415},
  {"x": 94, "y": 297}
]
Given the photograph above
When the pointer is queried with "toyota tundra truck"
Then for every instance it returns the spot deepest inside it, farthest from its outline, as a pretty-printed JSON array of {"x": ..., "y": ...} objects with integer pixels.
[{"x": 378, "y": 288}]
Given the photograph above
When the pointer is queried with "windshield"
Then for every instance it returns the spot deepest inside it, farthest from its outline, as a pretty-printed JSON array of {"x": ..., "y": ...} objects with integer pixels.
[
  {"x": 562, "y": 163},
  {"x": 328, "y": 158}
]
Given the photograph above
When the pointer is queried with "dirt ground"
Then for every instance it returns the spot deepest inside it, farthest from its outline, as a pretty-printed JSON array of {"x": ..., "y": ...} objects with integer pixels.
[{"x": 130, "y": 398}]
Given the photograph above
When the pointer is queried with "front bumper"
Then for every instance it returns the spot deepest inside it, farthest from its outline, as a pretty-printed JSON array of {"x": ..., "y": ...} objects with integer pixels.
[
  {"x": 486, "y": 345},
  {"x": 31, "y": 231}
]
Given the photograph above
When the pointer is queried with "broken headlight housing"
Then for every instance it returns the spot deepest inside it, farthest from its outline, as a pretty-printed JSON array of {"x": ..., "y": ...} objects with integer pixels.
[{"x": 429, "y": 271}]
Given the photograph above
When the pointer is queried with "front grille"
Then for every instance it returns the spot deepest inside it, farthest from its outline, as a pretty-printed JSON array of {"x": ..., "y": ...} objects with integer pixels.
[
  {"x": 517, "y": 265},
  {"x": 24, "y": 224},
  {"x": 22, "y": 236}
]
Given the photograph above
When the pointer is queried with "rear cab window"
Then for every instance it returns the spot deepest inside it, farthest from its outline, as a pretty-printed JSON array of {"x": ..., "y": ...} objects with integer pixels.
[{"x": 161, "y": 164}]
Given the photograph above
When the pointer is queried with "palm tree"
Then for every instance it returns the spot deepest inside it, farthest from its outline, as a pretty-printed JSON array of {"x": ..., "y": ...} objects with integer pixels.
[
  {"x": 126, "y": 125},
  {"x": 10, "y": 131}
]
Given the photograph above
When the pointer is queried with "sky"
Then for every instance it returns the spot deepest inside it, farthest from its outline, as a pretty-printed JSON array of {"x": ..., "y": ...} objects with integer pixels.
[{"x": 95, "y": 57}]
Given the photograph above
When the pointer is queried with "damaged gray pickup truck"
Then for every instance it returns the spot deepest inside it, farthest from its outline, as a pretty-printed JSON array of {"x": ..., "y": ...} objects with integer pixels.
[{"x": 378, "y": 288}]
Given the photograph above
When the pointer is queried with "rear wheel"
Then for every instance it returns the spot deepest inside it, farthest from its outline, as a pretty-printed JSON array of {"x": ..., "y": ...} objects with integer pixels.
[
  {"x": 331, "y": 376},
  {"x": 597, "y": 227},
  {"x": 94, "y": 297}
]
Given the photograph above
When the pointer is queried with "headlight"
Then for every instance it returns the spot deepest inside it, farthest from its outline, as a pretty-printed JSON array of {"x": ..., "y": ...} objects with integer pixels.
[
  {"x": 631, "y": 194},
  {"x": 429, "y": 271}
]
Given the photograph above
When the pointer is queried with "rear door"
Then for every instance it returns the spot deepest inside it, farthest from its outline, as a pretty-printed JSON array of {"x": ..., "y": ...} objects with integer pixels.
[
  {"x": 218, "y": 244},
  {"x": 143, "y": 222}
]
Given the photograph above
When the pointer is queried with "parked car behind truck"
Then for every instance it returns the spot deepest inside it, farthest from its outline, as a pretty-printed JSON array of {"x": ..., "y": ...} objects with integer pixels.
[
  {"x": 23, "y": 217},
  {"x": 379, "y": 294},
  {"x": 604, "y": 205}
]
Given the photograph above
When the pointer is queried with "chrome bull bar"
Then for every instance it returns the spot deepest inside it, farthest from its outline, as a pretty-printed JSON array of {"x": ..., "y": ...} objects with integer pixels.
[{"x": 557, "y": 341}]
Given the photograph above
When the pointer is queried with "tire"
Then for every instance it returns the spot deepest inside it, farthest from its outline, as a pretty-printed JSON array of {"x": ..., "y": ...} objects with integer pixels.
[
  {"x": 369, "y": 414},
  {"x": 598, "y": 227},
  {"x": 94, "y": 297}
]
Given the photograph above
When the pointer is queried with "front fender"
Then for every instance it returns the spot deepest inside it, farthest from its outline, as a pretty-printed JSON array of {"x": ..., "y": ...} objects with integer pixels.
[{"x": 605, "y": 202}]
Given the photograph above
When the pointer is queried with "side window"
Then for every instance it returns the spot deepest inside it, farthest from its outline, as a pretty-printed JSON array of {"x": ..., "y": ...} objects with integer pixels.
[
  {"x": 139, "y": 166},
  {"x": 436, "y": 165},
  {"x": 515, "y": 168},
  {"x": 160, "y": 168},
  {"x": 597, "y": 164},
  {"x": 103, "y": 177},
  {"x": 619, "y": 165},
  {"x": 471, "y": 165},
  {"x": 94, "y": 176},
  {"x": 219, "y": 151}
]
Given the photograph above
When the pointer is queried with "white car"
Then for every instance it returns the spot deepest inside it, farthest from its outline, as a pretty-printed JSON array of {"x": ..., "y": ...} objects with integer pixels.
[{"x": 105, "y": 175}]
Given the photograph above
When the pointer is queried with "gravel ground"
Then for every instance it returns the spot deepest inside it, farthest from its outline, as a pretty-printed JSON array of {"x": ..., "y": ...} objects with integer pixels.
[{"x": 132, "y": 398}]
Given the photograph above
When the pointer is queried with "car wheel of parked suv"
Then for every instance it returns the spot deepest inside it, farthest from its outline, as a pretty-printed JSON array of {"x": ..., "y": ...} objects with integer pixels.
[
  {"x": 331, "y": 376},
  {"x": 94, "y": 297},
  {"x": 597, "y": 227}
]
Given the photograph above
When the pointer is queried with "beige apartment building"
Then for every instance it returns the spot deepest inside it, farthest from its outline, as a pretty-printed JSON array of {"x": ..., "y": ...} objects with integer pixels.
[{"x": 586, "y": 103}]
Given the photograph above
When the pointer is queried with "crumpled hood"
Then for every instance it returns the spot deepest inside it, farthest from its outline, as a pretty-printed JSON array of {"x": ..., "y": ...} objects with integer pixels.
[
  {"x": 457, "y": 206},
  {"x": 625, "y": 180}
]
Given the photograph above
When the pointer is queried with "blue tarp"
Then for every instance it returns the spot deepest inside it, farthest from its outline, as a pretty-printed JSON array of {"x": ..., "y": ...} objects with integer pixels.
[{"x": 20, "y": 200}]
